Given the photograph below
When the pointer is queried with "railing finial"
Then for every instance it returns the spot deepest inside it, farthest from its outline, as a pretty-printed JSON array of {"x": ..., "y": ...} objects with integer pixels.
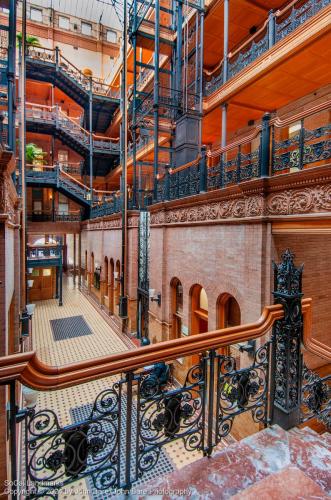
[{"x": 288, "y": 277}]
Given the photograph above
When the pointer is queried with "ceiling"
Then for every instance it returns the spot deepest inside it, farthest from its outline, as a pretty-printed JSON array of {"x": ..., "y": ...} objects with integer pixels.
[
  {"x": 243, "y": 15},
  {"x": 297, "y": 76}
]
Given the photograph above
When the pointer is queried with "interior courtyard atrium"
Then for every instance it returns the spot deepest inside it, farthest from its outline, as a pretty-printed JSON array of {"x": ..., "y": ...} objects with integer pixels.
[{"x": 165, "y": 249}]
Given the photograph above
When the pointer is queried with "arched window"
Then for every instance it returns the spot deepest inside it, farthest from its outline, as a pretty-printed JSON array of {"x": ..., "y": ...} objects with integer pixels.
[
  {"x": 228, "y": 311},
  {"x": 176, "y": 308}
]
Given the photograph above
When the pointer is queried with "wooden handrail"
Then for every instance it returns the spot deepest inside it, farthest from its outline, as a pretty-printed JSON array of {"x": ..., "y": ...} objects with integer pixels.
[
  {"x": 239, "y": 142},
  {"x": 30, "y": 371},
  {"x": 187, "y": 165},
  {"x": 278, "y": 122},
  {"x": 312, "y": 345}
]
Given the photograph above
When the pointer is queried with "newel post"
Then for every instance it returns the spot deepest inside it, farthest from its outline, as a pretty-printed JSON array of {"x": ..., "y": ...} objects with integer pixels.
[{"x": 286, "y": 369}]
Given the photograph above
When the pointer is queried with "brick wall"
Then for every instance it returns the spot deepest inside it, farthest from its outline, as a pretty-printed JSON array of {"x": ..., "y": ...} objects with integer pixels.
[{"x": 314, "y": 251}]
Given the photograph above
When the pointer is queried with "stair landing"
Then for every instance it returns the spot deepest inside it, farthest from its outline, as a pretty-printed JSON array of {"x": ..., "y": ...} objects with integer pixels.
[{"x": 272, "y": 464}]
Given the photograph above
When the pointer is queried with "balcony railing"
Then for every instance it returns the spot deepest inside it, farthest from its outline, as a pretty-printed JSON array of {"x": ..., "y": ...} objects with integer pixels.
[
  {"x": 47, "y": 251},
  {"x": 54, "y": 56},
  {"x": 275, "y": 28},
  {"x": 120, "y": 436},
  {"x": 53, "y": 115},
  {"x": 251, "y": 157},
  {"x": 56, "y": 176},
  {"x": 55, "y": 216}
]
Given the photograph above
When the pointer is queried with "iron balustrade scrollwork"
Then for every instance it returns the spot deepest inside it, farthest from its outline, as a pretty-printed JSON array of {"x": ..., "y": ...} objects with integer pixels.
[
  {"x": 213, "y": 83},
  {"x": 56, "y": 455},
  {"x": 185, "y": 182},
  {"x": 316, "y": 397},
  {"x": 168, "y": 415},
  {"x": 248, "y": 55},
  {"x": 122, "y": 436},
  {"x": 297, "y": 15},
  {"x": 304, "y": 148},
  {"x": 106, "y": 208},
  {"x": 241, "y": 390}
]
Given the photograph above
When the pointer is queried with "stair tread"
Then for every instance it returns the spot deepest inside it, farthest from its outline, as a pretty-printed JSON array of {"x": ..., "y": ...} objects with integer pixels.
[
  {"x": 240, "y": 465},
  {"x": 289, "y": 483}
]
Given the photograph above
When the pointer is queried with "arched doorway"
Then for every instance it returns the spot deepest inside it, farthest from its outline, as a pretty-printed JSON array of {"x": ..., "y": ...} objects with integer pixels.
[
  {"x": 85, "y": 266},
  {"x": 91, "y": 272},
  {"x": 228, "y": 311},
  {"x": 104, "y": 296},
  {"x": 199, "y": 314},
  {"x": 199, "y": 310},
  {"x": 176, "y": 301},
  {"x": 117, "y": 286},
  {"x": 111, "y": 286},
  {"x": 227, "y": 314}
]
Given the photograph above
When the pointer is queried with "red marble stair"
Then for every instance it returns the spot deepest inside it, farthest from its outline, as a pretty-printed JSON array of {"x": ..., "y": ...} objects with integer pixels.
[{"x": 270, "y": 464}]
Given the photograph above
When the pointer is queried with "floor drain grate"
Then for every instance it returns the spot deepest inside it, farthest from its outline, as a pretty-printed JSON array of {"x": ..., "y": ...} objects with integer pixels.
[{"x": 69, "y": 328}]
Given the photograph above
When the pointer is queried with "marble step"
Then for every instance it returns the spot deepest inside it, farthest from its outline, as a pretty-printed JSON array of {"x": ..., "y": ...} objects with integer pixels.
[{"x": 236, "y": 468}]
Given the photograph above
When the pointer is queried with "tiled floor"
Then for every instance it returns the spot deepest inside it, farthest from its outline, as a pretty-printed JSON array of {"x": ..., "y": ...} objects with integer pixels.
[{"x": 102, "y": 341}]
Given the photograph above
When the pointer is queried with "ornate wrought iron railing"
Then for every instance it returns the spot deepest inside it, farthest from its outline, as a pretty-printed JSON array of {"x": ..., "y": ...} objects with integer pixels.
[
  {"x": 61, "y": 63},
  {"x": 38, "y": 252},
  {"x": 316, "y": 397},
  {"x": 120, "y": 437},
  {"x": 55, "y": 216},
  {"x": 278, "y": 25},
  {"x": 301, "y": 141},
  {"x": 53, "y": 115},
  {"x": 237, "y": 164}
]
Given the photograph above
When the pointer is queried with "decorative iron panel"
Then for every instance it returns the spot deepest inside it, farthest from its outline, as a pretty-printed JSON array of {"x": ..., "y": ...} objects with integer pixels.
[
  {"x": 316, "y": 397},
  {"x": 143, "y": 273}
]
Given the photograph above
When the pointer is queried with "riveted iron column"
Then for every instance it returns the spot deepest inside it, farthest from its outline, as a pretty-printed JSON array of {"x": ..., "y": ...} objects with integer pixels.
[
  {"x": 143, "y": 275},
  {"x": 225, "y": 40},
  {"x": 271, "y": 29},
  {"x": 11, "y": 75},
  {"x": 286, "y": 369},
  {"x": 156, "y": 98},
  {"x": 265, "y": 145},
  {"x": 91, "y": 139}
]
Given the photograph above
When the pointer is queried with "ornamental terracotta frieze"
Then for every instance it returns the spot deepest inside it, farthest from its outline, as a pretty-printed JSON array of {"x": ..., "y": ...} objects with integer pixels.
[
  {"x": 238, "y": 208},
  {"x": 314, "y": 199},
  {"x": 300, "y": 201},
  {"x": 105, "y": 224}
]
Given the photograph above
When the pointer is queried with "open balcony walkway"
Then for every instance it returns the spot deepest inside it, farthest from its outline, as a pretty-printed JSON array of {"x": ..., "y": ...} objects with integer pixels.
[{"x": 74, "y": 404}]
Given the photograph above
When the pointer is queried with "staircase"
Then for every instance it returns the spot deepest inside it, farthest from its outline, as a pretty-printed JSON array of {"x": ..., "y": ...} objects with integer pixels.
[
  {"x": 61, "y": 181},
  {"x": 270, "y": 464},
  {"x": 49, "y": 65},
  {"x": 51, "y": 120}
]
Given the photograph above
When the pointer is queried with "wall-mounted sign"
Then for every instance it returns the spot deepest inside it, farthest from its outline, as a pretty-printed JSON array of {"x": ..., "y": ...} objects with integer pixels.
[{"x": 184, "y": 330}]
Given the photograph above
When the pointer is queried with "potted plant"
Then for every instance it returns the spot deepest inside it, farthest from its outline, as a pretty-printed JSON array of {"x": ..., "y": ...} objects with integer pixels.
[
  {"x": 34, "y": 155},
  {"x": 30, "y": 39}
]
